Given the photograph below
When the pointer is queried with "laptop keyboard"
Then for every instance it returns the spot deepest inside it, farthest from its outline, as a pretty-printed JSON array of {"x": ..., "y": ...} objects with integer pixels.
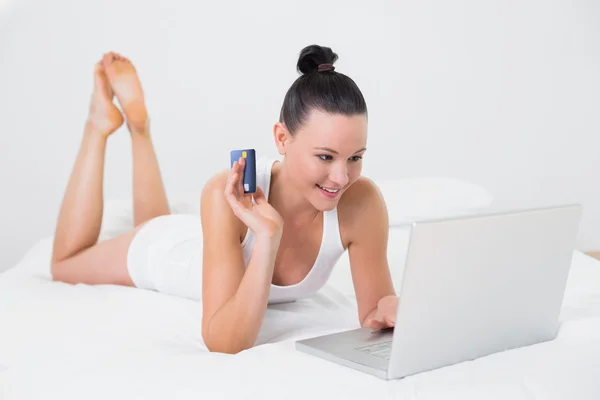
[{"x": 382, "y": 350}]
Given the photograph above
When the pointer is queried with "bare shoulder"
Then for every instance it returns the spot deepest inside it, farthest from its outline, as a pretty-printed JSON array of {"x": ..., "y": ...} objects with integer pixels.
[
  {"x": 216, "y": 182},
  {"x": 214, "y": 204},
  {"x": 361, "y": 208},
  {"x": 361, "y": 194}
]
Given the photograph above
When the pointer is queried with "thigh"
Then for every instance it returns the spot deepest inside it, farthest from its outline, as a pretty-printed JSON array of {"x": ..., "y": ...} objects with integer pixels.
[
  {"x": 102, "y": 263},
  {"x": 166, "y": 256}
]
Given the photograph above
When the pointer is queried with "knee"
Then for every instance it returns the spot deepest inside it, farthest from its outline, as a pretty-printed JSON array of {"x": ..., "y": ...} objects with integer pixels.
[{"x": 57, "y": 272}]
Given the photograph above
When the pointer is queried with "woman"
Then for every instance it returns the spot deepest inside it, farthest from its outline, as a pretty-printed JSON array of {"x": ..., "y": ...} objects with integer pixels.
[{"x": 244, "y": 251}]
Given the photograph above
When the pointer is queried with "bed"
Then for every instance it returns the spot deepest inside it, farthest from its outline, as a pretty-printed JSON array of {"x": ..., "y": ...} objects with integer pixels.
[{"x": 96, "y": 342}]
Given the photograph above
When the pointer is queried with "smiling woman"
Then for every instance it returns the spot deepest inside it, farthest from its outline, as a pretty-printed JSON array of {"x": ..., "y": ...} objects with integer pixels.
[
  {"x": 246, "y": 250},
  {"x": 324, "y": 156}
]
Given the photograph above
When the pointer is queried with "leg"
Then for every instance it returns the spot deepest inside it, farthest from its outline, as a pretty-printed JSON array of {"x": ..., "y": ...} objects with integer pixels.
[
  {"x": 80, "y": 215},
  {"x": 149, "y": 197},
  {"x": 103, "y": 263}
]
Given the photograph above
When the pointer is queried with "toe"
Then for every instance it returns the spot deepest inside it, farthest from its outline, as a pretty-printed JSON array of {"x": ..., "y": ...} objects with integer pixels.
[
  {"x": 99, "y": 72},
  {"x": 108, "y": 59}
]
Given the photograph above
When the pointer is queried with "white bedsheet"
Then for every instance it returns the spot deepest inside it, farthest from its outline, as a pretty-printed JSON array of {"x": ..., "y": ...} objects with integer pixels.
[{"x": 97, "y": 342}]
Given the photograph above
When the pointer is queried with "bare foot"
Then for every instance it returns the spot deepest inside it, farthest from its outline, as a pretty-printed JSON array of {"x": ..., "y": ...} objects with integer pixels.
[
  {"x": 104, "y": 117},
  {"x": 126, "y": 85}
]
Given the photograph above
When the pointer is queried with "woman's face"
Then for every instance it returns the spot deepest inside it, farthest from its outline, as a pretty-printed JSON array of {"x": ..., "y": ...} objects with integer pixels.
[{"x": 325, "y": 156}]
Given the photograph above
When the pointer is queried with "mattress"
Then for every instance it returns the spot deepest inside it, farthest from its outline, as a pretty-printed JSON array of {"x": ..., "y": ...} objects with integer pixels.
[{"x": 95, "y": 342}]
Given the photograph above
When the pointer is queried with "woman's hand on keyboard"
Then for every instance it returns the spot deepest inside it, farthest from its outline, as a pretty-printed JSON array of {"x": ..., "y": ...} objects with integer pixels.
[{"x": 385, "y": 315}]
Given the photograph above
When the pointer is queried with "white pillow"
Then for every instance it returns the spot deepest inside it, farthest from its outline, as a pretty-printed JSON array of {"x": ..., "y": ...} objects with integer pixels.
[{"x": 411, "y": 199}]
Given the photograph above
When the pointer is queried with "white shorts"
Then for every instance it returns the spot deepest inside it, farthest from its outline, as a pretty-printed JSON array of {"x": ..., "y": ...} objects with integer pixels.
[{"x": 166, "y": 256}]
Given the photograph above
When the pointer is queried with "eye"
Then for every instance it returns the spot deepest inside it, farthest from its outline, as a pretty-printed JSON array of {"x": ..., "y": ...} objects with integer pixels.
[
  {"x": 324, "y": 157},
  {"x": 356, "y": 158}
]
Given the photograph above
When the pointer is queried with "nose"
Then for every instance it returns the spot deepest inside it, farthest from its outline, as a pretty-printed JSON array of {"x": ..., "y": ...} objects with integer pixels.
[{"x": 339, "y": 174}]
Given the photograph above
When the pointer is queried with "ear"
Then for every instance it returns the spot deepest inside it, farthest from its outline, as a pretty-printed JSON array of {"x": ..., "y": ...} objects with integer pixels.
[{"x": 282, "y": 137}]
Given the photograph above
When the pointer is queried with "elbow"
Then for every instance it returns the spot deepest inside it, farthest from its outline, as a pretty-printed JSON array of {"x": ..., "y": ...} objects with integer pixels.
[
  {"x": 220, "y": 342},
  {"x": 228, "y": 330},
  {"x": 59, "y": 274},
  {"x": 223, "y": 349},
  {"x": 224, "y": 346}
]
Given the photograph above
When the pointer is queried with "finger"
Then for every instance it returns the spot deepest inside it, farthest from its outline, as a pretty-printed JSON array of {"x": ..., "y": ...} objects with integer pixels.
[
  {"x": 376, "y": 325},
  {"x": 259, "y": 196},
  {"x": 389, "y": 320},
  {"x": 235, "y": 174},
  {"x": 241, "y": 166},
  {"x": 232, "y": 182},
  {"x": 232, "y": 179},
  {"x": 232, "y": 192},
  {"x": 230, "y": 188}
]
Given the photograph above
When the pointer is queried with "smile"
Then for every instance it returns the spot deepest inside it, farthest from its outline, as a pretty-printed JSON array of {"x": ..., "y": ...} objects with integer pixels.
[
  {"x": 331, "y": 193},
  {"x": 329, "y": 190}
]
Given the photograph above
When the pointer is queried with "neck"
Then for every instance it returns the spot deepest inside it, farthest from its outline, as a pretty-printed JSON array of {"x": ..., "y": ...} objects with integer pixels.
[{"x": 285, "y": 198}]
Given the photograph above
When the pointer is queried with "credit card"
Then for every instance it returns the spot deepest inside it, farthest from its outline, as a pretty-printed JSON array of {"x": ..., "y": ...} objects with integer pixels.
[{"x": 249, "y": 155}]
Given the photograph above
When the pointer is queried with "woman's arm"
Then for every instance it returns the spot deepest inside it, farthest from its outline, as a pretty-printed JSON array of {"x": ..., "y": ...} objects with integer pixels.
[
  {"x": 368, "y": 226},
  {"x": 235, "y": 297},
  {"x": 233, "y": 317}
]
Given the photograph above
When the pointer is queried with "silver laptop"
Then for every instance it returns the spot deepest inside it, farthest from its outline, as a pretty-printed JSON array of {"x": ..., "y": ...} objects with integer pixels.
[{"x": 472, "y": 286}]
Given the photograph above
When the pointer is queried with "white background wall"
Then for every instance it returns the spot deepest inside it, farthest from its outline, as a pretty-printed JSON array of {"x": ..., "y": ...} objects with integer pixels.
[{"x": 505, "y": 94}]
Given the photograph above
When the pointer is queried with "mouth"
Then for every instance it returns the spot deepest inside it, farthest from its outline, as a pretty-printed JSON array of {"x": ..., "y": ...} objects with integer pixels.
[{"x": 328, "y": 192}]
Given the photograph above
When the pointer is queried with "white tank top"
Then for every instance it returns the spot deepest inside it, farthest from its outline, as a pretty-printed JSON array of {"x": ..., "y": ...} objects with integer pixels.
[{"x": 330, "y": 251}]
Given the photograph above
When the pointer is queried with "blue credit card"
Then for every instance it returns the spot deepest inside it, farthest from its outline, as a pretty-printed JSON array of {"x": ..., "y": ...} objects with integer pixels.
[{"x": 249, "y": 155}]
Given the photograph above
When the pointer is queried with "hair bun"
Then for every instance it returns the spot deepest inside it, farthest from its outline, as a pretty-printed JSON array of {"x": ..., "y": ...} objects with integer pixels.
[{"x": 314, "y": 55}]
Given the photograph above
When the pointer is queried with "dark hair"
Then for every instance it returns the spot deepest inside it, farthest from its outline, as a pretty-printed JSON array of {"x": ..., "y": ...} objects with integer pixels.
[{"x": 327, "y": 90}]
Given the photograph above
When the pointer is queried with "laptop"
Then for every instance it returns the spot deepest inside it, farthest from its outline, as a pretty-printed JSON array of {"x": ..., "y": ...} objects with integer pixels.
[{"x": 472, "y": 286}]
